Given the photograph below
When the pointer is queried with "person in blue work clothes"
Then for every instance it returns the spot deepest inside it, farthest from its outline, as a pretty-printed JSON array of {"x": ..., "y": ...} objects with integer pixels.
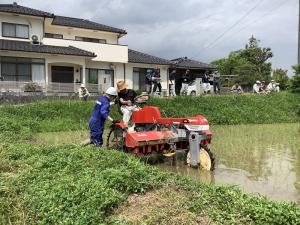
[{"x": 100, "y": 114}]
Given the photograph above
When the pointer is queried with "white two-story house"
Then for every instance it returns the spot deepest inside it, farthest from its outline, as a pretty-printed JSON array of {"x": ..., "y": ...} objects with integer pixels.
[{"x": 59, "y": 53}]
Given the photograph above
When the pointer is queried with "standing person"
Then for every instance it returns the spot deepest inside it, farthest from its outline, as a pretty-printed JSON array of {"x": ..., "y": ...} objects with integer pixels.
[
  {"x": 100, "y": 114},
  {"x": 126, "y": 101},
  {"x": 206, "y": 84},
  {"x": 156, "y": 81},
  {"x": 83, "y": 93},
  {"x": 148, "y": 81},
  {"x": 216, "y": 82},
  {"x": 172, "y": 82},
  {"x": 185, "y": 83}
]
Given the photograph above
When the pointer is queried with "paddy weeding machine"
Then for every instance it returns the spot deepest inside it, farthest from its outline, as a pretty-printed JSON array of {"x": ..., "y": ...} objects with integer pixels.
[{"x": 151, "y": 134}]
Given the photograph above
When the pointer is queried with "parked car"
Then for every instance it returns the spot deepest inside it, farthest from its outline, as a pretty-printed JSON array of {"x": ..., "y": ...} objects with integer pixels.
[{"x": 192, "y": 88}]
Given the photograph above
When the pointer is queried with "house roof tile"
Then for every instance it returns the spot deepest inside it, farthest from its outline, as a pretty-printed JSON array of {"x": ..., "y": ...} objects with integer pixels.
[
  {"x": 24, "y": 46},
  {"x": 139, "y": 57},
  {"x": 18, "y": 9},
  {"x": 59, "y": 20},
  {"x": 185, "y": 62},
  {"x": 85, "y": 24}
]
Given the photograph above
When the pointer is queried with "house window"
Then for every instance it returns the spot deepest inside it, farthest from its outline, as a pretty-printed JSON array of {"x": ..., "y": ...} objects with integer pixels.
[
  {"x": 22, "y": 69},
  {"x": 15, "y": 30},
  {"x": 99, "y": 76},
  {"x": 57, "y": 36},
  {"x": 94, "y": 40},
  {"x": 92, "y": 76}
]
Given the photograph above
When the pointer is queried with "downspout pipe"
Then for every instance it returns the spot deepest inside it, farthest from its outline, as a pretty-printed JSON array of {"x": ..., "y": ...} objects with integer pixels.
[{"x": 124, "y": 71}]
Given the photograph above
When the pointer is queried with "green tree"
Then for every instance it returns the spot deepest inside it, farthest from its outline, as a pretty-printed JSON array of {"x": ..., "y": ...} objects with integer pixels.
[
  {"x": 295, "y": 81},
  {"x": 280, "y": 76},
  {"x": 250, "y": 63}
]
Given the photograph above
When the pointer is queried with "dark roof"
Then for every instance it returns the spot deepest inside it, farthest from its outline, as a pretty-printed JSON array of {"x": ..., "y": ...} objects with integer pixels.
[
  {"x": 86, "y": 24},
  {"x": 185, "y": 62},
  {"x": 139, "y": 57},
  {"x": 18, "y": 9},
  {"x": 59, "y": 20},
  {"x": 23, "y": 46}
]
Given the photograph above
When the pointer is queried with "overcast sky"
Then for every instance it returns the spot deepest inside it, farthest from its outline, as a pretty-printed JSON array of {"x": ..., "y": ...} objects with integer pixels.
[{"x": 192, "y": 28}]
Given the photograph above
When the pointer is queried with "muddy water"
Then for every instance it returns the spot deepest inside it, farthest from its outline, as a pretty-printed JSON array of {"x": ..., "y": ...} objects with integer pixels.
[{"x": 262, "y": 159}]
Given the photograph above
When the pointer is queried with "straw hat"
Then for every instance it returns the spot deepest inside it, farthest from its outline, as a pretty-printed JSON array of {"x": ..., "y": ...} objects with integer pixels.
[
  {"x": 121, "y": 85},
  {"x": 82, "y": 86}
]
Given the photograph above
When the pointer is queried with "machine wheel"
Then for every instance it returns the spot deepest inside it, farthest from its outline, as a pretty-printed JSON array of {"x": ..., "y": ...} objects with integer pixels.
[
  {"x": 193, "y": 93},
  {"x": 115, "y": 139},
  {"x": 206, "y": 158}
]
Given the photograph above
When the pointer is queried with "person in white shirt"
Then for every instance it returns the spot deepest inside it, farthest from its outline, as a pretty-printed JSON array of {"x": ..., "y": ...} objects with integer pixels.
[
  {"x": 256, "y": 87},
  {"x": 237, "y": 88},
  {"x": 273, "y": 87},
  {"x": 83, "y": 93}
]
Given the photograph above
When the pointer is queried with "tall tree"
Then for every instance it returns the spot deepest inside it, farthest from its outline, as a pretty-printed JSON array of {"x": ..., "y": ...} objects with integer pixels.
[{"x": 250, "y": 63}]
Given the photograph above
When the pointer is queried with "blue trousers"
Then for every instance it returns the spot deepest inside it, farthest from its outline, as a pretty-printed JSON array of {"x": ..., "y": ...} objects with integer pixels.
[{"x": 96, "y": 131}]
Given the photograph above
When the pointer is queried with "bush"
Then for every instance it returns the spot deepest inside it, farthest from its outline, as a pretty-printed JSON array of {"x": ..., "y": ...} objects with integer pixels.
[
  {"x": 32, "y": 87},
  {"x": 295, "y": 81},
  {"x": 280, "y": 76}
]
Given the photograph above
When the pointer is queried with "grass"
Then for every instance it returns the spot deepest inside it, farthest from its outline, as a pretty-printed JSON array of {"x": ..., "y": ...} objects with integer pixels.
[{"x": 71, "y": 185}]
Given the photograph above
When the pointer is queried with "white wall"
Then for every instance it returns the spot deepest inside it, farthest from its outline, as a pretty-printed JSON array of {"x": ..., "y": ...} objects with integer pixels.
[
  {"x": 35, "y": 24},
  {"x": 104, "y": 52},
  {"x": 71, "y": 32}
]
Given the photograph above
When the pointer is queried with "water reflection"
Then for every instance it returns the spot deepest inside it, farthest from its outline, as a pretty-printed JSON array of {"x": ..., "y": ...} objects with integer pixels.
[{"x": 261, "y": 159}]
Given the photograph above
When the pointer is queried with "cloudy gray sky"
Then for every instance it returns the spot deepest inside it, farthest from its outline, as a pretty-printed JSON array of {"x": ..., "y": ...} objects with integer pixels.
[{"x": 175, "y": 28}]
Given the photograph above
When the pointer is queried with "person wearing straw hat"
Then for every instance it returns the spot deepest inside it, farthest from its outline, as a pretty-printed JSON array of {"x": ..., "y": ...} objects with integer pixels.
[
  {"x": 83, "y": 93},
  {"x": 126, "y": 101}
]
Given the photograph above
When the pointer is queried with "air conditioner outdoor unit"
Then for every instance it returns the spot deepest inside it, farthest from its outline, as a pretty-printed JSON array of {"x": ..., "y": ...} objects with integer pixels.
[{"x": 35, "y": 39}]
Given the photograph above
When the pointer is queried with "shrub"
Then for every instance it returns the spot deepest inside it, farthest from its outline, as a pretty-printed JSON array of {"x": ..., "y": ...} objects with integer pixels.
[{"x": 32, "y": 87}]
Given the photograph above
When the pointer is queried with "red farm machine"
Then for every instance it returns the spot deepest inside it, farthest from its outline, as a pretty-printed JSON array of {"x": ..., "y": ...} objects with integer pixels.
[{"x": 153, "y": 135}]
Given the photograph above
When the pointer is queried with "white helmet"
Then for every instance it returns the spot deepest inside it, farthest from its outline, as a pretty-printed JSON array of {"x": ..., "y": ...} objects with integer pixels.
[{"x": 111, "y": 91}]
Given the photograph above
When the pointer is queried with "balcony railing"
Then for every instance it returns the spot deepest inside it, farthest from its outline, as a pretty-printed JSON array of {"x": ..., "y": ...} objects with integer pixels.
[{"x": 51, "y": 87}]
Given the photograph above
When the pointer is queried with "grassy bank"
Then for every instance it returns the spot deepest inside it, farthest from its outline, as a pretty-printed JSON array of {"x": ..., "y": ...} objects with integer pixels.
[
  {"x": 22, "y": 121},
  {"x": 235, "y": 109},
  {"x": 71, "y": 185}
]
